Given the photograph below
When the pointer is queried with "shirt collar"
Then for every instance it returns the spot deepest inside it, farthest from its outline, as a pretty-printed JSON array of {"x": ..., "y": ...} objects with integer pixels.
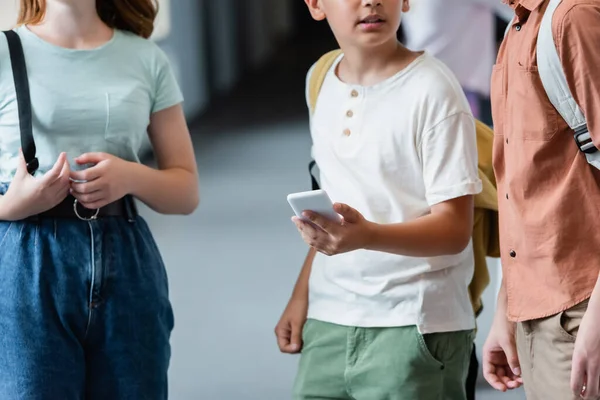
[{"x": 530, "y": 5}]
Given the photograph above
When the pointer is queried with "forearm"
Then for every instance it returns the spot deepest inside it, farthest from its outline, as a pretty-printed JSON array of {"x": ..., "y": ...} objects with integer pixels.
[
  {"x": 501, "y": 304},
  {"x": 301, "y": 287},
  {"x": 429, "y": 236},
  {"x": 170, "y": 191},
  {"x": 595, "y": 299}
]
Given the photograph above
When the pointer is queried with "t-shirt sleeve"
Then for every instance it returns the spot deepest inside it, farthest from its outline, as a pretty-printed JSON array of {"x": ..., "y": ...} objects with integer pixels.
[
  {"x": 449, "y": 158},
  {"x": 167, "y": 92}
]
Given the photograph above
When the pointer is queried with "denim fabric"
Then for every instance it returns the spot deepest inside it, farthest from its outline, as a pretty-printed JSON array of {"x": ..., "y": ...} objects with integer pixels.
[{"x": 84, "y": 311}]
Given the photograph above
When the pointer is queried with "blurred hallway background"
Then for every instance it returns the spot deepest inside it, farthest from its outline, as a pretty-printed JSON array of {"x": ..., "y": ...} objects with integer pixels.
[{"x": 232, "y": 265}]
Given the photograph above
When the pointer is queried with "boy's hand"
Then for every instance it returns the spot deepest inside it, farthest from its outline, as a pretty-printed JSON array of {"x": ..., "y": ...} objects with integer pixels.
[
  {"x": 289, "y": 329},
  {"x": 585, "y": 375},
  {"x": 331, "y": 237},
  {"x": 500, "y": 359}
]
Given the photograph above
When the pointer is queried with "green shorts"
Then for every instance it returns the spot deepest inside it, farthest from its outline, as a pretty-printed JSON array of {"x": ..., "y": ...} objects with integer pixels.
[{"x": 340, "y": 362}]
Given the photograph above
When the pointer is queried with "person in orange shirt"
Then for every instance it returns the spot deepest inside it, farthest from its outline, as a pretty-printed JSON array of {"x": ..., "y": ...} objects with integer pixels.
[{"x": 546, "y": 330}]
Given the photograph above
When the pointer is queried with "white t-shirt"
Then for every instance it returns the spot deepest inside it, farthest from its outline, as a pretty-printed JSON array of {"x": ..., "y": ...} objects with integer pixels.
[
  {"x": 98, "y": 100},
  {"x": 392, "y": 151},
  {"x": 461, "y": 33}
]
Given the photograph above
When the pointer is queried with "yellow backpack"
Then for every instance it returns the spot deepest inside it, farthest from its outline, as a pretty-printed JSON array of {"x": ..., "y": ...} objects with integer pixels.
[{"x": 485, "y": 222}]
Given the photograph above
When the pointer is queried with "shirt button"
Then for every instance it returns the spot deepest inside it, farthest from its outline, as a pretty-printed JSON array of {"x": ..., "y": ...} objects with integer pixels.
[
  {"x": 518, "y": 28},
  {"x": 506, "y": 141},
  {"x": 513, "y": 253},
  {"x": 347, "y": 132},
  {"x": 506, "y": 196},
  {"x": 349, "y": 114},
  {"x": 354, "y": 93}
]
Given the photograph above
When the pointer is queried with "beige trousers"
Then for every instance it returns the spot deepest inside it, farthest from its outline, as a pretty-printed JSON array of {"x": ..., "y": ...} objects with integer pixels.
[{"x": 545, "y": 348}]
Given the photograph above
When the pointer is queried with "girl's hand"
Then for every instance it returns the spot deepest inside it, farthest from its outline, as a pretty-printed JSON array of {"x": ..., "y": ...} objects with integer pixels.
[
  {"x": 27, "y": 195},
  {"x": 107, "y": 181}
]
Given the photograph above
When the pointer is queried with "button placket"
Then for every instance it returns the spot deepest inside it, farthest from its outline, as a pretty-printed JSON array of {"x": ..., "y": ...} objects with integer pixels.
[{"x": 349, "y": 115}]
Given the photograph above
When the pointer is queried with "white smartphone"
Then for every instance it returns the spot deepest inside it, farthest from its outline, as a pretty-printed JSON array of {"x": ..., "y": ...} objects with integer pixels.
[{"x": 317, "y": 201}]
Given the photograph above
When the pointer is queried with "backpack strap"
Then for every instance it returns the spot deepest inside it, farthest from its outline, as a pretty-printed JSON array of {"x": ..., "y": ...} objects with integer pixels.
[
  {"x": 509, "y": 26},
  {"x": 315, "y": 82},
  {"x": 317, "y": 77},
  {"x": 19, "y": 68},
  {"x": 555, "y": 83}
]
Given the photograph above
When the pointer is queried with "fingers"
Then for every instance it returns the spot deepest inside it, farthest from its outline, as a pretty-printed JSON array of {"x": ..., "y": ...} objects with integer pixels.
[
  {"x": 87, "y": 175},
  {"x": 318, "y": 220},
  {"x": 348, "y": 213},
  {"x": 65, "y": 173},
  {"x": 512, "y": 357},
  {"x": 22, "y": 165},
  {"x": 55, "y": 172},
  {"x": 91, "y": 194},
  {"x": 490, "y": 374},
  {"x": 309, "y": 233},
  {"x": 283, "y": 332},
  {"x": 91, "y": 158},
  {"x": 90, "y": 199},
  {"x": 314, "y": 236},
  {"x": 592, "y": 381},
  {"x": 85, "y": 188},
  {"x": 496, "y": 370},
  {"x": 296, "y": 342},
  {"x": 580, "y": 381}
]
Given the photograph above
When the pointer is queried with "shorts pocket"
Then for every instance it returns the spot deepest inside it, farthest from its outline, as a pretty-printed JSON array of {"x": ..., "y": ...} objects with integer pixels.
[
  {"x": 569, "y": 321},
  {"x": 427, "y": 349}
]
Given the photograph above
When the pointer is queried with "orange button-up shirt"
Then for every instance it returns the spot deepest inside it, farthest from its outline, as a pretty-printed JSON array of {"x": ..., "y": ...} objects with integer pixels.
[{"x": 549, "y": 196}]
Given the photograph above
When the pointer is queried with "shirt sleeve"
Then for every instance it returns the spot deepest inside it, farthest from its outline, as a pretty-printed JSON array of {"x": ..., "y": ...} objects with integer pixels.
[
  {"x": 449, "y": 159},
  {"x": 576, "y": 36},
  {"x": 167, "y": 92}
]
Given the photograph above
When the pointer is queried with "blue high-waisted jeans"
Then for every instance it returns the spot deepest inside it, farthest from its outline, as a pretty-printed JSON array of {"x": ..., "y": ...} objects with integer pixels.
[{"x": 84, "y": 311}]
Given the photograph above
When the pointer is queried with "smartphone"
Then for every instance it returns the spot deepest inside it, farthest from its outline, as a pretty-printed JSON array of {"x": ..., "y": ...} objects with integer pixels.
[{"x": 317, "y": 201}]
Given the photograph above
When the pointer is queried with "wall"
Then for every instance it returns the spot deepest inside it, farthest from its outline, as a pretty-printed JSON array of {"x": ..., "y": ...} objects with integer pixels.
[
  {"x": 223, "y": 43},
  {"x": 211, "y": 44},
  {"x": 8, "y": 13},
  {"x": 185, "y": 46}
]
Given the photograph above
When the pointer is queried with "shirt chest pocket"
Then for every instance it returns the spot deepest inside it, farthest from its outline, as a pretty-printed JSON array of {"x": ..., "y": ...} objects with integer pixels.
[
  {"x": 128, "y": 116},
  {"x": 535, "y": 118}
]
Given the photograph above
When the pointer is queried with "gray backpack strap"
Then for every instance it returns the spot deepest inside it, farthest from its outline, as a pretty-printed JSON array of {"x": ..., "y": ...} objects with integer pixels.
[
  {"x": 510, "y": 25},
  {"x": 556, "y": 86}
]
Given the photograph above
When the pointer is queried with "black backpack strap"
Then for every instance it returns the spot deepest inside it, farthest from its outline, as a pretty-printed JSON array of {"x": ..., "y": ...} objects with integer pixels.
[
  {"x": 315, "y": 183},
  {"x": 19, "y": 68}
]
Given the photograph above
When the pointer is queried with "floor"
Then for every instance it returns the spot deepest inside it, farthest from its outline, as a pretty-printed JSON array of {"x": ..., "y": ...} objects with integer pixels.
[{"x": 233, "y": 263}]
